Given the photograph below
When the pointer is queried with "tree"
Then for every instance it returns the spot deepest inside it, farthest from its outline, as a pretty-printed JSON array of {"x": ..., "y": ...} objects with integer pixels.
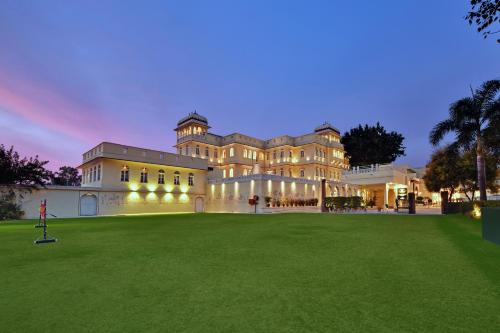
[
  {"x": 467, "y": 173},
  {"x": 484, "y": 14},
  {"x": 67, "y": 176},
  {"x": 441, "y": 172},
  {"x": 372, "y": 144},
  {"x": 474, "y": 121},
  {"x": 29, "y": 173}
]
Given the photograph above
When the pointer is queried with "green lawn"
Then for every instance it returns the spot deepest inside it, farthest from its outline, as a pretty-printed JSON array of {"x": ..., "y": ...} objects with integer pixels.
[{"x": 264, "y": 273}]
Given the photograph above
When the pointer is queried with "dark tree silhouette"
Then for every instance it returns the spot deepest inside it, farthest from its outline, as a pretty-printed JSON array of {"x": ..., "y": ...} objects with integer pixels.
[
  {"x": 372, "y": 144},
  {"x": 474, "y": 120},
  {"x": 67, "y": 176},
  {"x": 485, "y": 14},
  {"x": 14, "y": 170}
]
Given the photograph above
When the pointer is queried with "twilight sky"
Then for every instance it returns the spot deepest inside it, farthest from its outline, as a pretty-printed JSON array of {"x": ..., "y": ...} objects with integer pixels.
[{"x": 75, "y": 73}]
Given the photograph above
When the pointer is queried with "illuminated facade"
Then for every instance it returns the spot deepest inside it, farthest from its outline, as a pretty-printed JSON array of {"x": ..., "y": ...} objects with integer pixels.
[{"x": 313, "y": 156}]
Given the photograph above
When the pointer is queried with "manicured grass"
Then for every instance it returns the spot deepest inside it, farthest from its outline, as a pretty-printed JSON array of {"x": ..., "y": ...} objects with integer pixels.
[{"x": 264, "y": 273}]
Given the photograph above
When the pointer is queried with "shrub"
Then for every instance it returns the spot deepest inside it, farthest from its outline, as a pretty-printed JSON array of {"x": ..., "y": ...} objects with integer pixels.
[{"x": 9, "y": 209}]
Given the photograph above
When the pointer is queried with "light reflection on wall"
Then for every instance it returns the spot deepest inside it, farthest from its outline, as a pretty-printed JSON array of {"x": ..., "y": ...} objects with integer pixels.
[
  {"x": 168, "y": 197},
  {"x": 183, "y": 198}
]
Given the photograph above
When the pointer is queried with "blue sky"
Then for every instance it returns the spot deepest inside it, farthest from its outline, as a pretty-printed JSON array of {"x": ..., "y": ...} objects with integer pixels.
[{"x": 73, "y": 74}]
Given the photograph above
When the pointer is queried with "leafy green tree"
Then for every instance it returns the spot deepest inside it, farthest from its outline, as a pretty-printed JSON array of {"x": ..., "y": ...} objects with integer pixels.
[
  {"x": 15, "y": 171},
  {"x": 474, "y": 120},
  {"x": 485, "y": 14},
  {"x": 442, "y": 172},
  {"x": 372, "y": 144},
  {"x": 468, "y": 173},
  {"x": 67, "y": 176},
  {"x": 29, "y": 173}
]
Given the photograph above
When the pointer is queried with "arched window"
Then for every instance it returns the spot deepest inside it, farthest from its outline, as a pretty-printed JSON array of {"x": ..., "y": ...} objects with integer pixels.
[
  {"x": 161, "y": 177},
  {"x": 124, "y": 174},
  {"x": 197, "y": 150},
  {"x": 290, "y": 154},
  {"x": 282, "y": 154},
  {"x": 191, "y": 179},
  {"x": 231, "y": 172},
  {"x": 254, "y": 155},
  {"x": 245, "y": 153},
  {"x": 144, "y": 175},
  {"x": 177, "y": 178},
  {"x": 224, "y": 153},
  {"x": 301, "y": 153},
  {"x": 224, "y": 173},
  {"x": 231, "y": 152}
]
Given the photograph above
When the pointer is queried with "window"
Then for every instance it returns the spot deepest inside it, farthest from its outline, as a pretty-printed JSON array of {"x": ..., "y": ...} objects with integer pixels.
[
  {"x": 187, "y": 150},
  {"x": 94, "y": 174},
  {"x": 124, "y": 174},
  {"x": 281, "y": 172},
  {"x": 231, "y": 152},
  {"x": 197, "y": 150},
  {"x": 245, "y": 153},
  {"x": 224, "y": 173},
  {"x": 254, "y": 155},
  {"x": 206, "y": 152},
  {"x": 144, "y": 175},
  {"x": 289, "y": 173},
  {"x": 224, "y": 153},
  {"x": 191, "y": 179},
  {"x": 302, "y": 173},
  {"x": 161, "y": 177},
  {"x": 282, "y": 154},
  {"x": 83, "y": 177},
  {"x": 231, "y": 172},
  {"x": 274, "y": 155},
  {"x": 317, "y": 172},
  {"x": 99, "y": 172},
  {"x": 301, "y": 153},
  {"x": 290, "y": 154},
  {"x": 177, "y": 179},
  {"x": 245, "y": 172}
]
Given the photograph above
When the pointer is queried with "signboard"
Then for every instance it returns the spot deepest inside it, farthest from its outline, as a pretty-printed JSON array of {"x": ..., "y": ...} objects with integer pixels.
[{"x": 402, "y": 193}]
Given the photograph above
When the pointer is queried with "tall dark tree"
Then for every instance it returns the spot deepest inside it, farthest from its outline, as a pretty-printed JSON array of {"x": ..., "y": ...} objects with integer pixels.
[
  {"x": 485, "y": 14},
  {"x": 441, "y": 173},
  {"x": 67, "y": 176},
  {"x": 474, "y": 120},
  {"x": 15, "y": 170},
  {"x": 372, "y": 144}
]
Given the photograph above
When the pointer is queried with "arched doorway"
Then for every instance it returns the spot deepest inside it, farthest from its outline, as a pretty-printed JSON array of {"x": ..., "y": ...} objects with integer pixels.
[
  {"x": 88, "y": 205},
  {"x": 199, "y": 205}
]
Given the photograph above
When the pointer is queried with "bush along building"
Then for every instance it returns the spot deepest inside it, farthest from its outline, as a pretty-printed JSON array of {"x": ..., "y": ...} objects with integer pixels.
[{"x": 212, "y": 173}]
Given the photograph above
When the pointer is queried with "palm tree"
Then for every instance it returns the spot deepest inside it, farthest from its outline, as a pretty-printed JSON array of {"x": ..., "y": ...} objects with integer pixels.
[{"x": 474, "y": 120}]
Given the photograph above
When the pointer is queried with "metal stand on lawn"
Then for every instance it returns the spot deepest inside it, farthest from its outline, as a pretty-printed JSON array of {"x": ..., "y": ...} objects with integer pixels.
[{"x": 42, "y": 222}]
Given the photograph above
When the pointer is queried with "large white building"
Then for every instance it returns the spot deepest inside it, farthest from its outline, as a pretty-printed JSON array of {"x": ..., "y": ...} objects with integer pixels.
[{"x": 213, "y": 173}]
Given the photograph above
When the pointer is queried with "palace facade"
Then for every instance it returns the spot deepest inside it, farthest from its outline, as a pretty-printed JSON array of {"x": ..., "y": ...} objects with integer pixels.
[
  {"x": 315, "y": 155},
  {"x": 215, "y": 173}
]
